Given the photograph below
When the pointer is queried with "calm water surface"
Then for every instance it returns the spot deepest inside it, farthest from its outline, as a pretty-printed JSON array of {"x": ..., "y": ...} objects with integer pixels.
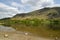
[{"x": 5, "y": 28}]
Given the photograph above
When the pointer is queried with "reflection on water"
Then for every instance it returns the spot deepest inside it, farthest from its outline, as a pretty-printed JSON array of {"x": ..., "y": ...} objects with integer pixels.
[{"x": 5, "y": 28}]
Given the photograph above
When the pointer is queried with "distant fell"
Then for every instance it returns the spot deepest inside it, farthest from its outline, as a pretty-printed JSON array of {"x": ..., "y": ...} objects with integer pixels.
[{"x": 45, "y": 13}]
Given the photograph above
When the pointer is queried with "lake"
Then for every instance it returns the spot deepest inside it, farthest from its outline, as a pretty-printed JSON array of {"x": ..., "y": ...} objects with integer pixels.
[{"x": 7, "y": 29}]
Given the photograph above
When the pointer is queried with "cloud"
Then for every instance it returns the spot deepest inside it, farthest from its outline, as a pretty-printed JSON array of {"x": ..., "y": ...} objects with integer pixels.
[
  {"x": 55, "y": 5},
  {"x": 24, "y": 1},
  {"x": 8, "y": 8},
  {"x": 31, "y": 5},
  {"x": 15, "y": 4},
  {"x": 37, "y": 4},
  {"x": 7, "y": 11},
  {"x": 19, "y": 6}
]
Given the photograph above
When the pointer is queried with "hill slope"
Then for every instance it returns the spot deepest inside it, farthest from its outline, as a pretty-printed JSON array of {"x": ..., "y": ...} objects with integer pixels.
[{"x": 45, "y": 13}]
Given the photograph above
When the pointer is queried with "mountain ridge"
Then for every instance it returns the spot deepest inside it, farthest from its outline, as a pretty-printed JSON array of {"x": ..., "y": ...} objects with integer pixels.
[{"x": 45, "y": 13}]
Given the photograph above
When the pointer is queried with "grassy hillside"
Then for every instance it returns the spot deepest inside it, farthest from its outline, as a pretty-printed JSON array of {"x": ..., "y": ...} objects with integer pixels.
[
  {"x": 45, "y": 13},
  {"x": 44, "y": 22}
]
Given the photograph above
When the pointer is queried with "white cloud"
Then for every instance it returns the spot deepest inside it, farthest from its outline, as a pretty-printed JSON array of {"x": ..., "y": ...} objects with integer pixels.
[
  {"x": 24, "y": 1},
  {"x": 7, "y": 11},
  {"x": 32, "y": 5},
  {"x": 36, "y": 4},
  {"x": 15, "y": 4},
  {"x": 8, "y": 8},
  {"x": 55, "y": 5}
]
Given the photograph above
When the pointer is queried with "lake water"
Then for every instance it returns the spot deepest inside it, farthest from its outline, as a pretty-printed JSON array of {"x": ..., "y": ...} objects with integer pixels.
[{"x": 5, "y": 28}]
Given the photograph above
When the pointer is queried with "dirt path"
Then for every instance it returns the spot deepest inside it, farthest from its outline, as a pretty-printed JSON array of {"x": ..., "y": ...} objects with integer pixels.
[{"x": 19, "y": 36}]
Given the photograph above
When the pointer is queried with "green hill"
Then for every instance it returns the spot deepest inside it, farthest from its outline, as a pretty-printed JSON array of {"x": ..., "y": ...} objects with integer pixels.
[{"x": 45, "y": 13}]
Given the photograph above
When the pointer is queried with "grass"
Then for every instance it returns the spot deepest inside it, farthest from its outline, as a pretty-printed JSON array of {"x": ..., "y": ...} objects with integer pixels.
[{"x": 35, "y": 26}]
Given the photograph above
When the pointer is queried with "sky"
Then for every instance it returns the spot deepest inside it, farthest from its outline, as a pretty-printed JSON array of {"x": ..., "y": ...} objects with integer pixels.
[{"x": 9, "y": 8}]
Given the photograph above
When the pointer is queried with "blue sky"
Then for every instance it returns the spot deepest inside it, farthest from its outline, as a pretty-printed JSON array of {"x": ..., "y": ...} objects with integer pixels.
[
  {"x": 9, "y": 8},
  {"x": 57, "y": 1}
]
